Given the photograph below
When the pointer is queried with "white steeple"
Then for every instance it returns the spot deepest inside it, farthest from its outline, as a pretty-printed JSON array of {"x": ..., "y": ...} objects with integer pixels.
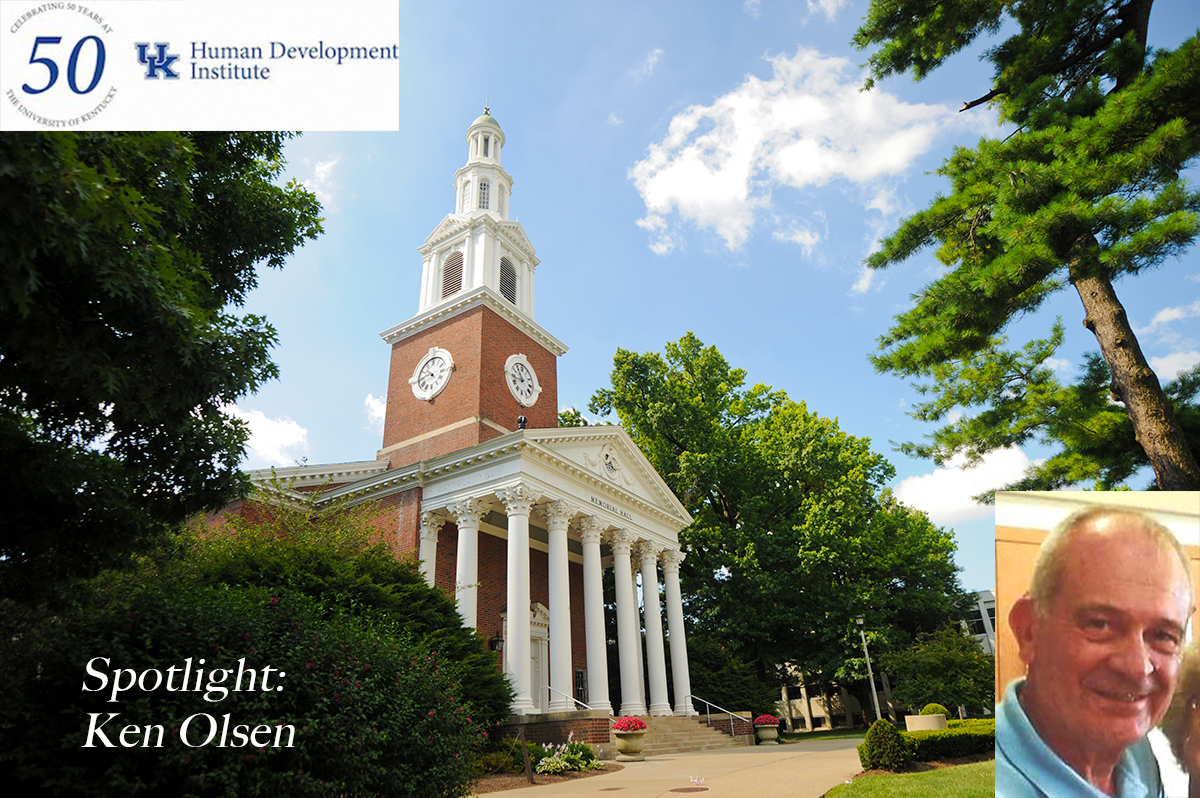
[{"x": 476, "y": 246}]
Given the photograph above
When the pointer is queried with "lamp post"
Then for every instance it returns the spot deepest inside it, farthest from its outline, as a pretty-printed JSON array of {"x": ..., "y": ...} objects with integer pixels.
[{"x": 870, "y": 676}]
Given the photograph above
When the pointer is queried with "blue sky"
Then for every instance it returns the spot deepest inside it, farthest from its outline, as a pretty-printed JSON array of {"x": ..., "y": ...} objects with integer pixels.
[{"x": 699, "y": 166}]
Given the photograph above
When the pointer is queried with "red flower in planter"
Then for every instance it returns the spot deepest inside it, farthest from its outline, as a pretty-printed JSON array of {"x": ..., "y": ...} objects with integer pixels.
[
  {"x": 766, "y": 720},
  {"x": 629, "y": 723}
]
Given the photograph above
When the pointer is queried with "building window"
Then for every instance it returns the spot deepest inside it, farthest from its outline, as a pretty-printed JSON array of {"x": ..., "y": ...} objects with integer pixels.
[
  {"x": 500, "y": 197},
  {"x": 466, "y": 203},
  {"x": 452, "y": 274},
  {"x": 486, "y": 140},
  {"x": 581, "y": 693},
  {"x": 508, "y": 280},
  {"x": 483, "y": 195}
]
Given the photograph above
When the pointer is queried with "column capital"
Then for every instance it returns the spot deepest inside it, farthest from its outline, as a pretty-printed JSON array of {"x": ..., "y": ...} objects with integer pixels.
[
  {"x": 431, "y": 522},
  {"x": 518, "y": 499},
  {"x": 470, "y": 511},
  {"x": 591, "y": 529},
  {"x": 621, "y": 541},
  {"x": 646, "y": 550},
  {"x": 558, "y": 513},
  {"x": 671, "y": 560}
]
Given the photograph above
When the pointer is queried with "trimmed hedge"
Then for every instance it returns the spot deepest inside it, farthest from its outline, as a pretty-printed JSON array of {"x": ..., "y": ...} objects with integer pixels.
[
  {"x": 963, "y": 738},
  {"x": 935, "y": 709},
  {"x": 932, "y": 745}
]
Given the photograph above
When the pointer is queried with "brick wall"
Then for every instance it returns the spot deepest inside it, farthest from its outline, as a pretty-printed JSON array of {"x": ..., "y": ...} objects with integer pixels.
[
  {"x": 592, "y": 728},
  {"x": 480, "y": 342}
]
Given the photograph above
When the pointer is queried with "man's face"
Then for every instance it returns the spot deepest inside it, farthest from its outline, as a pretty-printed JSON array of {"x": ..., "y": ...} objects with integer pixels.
[{"x": 1103, "y": 660}]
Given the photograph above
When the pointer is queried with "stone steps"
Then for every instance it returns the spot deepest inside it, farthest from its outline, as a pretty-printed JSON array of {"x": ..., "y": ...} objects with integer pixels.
[{"x": 676, "y": 735}]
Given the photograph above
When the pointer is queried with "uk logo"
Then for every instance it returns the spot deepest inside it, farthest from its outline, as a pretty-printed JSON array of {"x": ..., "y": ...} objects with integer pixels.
[{"x": 160, "y": 61}]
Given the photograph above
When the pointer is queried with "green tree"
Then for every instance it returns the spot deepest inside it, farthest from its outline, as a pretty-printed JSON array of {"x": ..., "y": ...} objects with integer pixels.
[
  {"x": 121, "y": 255},
  {"x": 374, "y": 711},
  {"x": 947, "y": 667},
  {"x": 1085, "y": 191},
  {"x": 330, "y": 553},
  {"x": 719, "y": 675},
  {"x": 794, "y": 532},
  {"x": 1015, "y": 396}
]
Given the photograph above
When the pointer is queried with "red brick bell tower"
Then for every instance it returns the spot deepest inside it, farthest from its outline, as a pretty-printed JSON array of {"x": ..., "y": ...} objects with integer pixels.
[{"x": 472, "y": 361}]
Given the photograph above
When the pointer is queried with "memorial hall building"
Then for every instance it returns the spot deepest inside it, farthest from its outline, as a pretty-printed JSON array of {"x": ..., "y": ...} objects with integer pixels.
[{"x": 512, "y": 515}]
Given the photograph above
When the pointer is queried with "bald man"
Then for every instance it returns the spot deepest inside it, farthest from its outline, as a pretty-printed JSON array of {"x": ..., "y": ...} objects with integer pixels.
[{"x": 1101, "y": 634}]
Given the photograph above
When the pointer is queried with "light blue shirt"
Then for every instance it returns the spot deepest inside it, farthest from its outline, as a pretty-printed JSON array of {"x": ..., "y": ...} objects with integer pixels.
[{"x": 1027, "y": 768}]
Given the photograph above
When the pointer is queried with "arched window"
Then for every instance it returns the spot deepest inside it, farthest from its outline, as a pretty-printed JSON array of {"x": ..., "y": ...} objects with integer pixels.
[
  {"x": 466, "y": 203},
  {"x": 483, "y": 195},
  {"x": 486, "y": 140},
  {"x": 452, "y": 274},
  {"x": 500, "y": 197},
  {"x": 508, "y": 280}
]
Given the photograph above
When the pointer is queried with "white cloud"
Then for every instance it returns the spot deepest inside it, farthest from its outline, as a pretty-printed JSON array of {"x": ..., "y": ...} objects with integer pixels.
[
  {"x": 946, "y": 493},
  {"x": 322, "y": 183},
  {"x": 863, "y": 284},
  {"x": 752, "y": 7},
  {"x": 1168, "y": 315},
  {"x": 806, "y": 238},
  {"x": 1059, "y": 364},
  {"x": 827, "y": 7},
  {"x": 1168, "y": 368},
  {"x": 273, "y": 441},
  {"x": 807, "y": 125},
  {"x": 613, "y": 119},
  {"x": 376, "y": 410},
  {"x": 647, "y": 68}
]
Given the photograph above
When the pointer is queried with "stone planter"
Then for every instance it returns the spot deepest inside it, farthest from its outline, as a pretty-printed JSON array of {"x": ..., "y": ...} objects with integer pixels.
[
  {"x": 767, "y": 735},
  {"x": 924, "y": 722},
  {"x": 630, "y": 744}
]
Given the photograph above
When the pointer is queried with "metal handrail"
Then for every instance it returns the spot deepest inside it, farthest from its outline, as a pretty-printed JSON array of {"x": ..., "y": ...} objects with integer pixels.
[
  {"x": 576, "y": 700},
  {"x": 709, "y": 713}
]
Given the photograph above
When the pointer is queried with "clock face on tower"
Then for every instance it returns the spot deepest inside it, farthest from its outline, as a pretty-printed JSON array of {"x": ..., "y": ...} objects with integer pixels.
[
  {"x": 431, "y": 374},
  {"x": 522, "y": 381}
]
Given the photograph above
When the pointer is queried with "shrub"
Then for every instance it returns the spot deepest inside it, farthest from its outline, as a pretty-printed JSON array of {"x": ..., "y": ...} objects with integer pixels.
[
  {"x": 373, "y": 713},
  {"x": 325, "y": 553},
  {"x": 943, "y": 744},
  {"x": 884, "y": 748},
  {"x": 569, "y": 758},
  {"x": 506, "y": 756},
  {"x": 935, "y": 709}
]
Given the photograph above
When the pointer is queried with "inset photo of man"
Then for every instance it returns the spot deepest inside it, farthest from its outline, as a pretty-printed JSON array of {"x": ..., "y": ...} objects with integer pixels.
[{"x": 1097, "y": 665}]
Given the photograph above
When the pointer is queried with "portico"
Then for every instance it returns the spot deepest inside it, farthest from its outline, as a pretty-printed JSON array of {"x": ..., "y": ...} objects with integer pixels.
[{"x": 585, "y": 497}]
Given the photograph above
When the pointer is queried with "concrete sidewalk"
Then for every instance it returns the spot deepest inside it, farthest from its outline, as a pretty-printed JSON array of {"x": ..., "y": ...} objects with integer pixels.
[{"x": 804, "y": 770}]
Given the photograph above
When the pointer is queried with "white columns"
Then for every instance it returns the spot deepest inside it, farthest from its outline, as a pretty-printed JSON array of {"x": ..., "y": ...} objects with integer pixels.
[
  {"x": 637, "y": 638},
  {"x": 681, "y": 679},
  {"x": 517, "y": 502},
  {"x": 558, "y": 515},
  {"x": 431, "y": 522},
  {"x": 468, "y": 513},
  {"x": 627, "y": 625},
  {"x": 590, "y": 531},
  {"x": 656, "y": 662}
]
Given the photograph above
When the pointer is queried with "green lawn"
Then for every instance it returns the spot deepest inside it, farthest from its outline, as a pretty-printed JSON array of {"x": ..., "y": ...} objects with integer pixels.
[
  {"x": 964, "y": 781},
  {"x": 828, "y": 734}
]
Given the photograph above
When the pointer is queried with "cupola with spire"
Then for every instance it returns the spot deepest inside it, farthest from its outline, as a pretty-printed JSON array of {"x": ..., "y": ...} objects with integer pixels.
[{"x": 478, "y": 245}]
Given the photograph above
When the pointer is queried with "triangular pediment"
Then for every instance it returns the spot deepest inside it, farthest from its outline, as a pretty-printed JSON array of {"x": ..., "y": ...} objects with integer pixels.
[
  {"x": 609, "y": 459},
  {"x": 516, "y": 233},
  {"x": 449, "y": 226}
]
